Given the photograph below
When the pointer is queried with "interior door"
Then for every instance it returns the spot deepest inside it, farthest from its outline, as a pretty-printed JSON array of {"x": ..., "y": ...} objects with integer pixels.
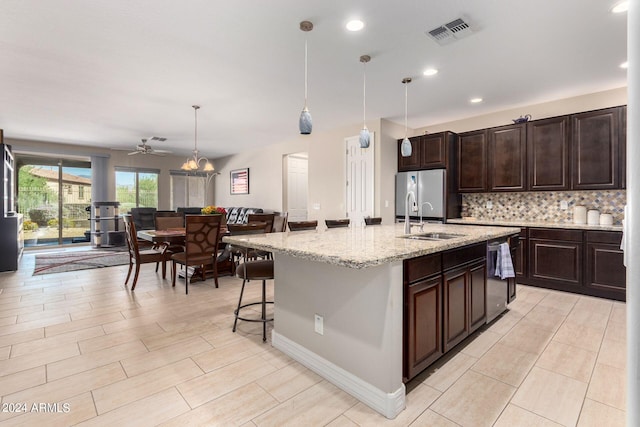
[
  {"x": 297, "y": 166},
  {"x": 360, "y": 179}
]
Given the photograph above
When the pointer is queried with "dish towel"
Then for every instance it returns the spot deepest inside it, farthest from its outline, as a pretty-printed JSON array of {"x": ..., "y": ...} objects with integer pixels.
[{"x": 504, "y": 267}]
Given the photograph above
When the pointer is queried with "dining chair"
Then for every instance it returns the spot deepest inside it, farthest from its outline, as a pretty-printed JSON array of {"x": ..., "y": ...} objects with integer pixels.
[
  {"x": 252, "y": 268},
  {"x": 139, "y": 256},
  {"x": 373, "y": 220},
  {"x": 202, "y": 233},
  {"x": 280, "y": 223},
  {"x": 302, "y": 225},
  {"x": 337, "y": 223},
  {"x": 165, "y": 220},
  {"x": 269, "y": 218}
]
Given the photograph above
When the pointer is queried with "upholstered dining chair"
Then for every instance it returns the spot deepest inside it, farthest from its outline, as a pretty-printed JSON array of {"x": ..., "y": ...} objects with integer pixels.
[
  {"x": 252, "y": 268},
  {"x": 202, "y": 233},
  {"x": 140, "y": 256},
  {"x": 280, "y": 223},
  {"x": 337, "y": 223},
  {"x": 302, "y": 225}
]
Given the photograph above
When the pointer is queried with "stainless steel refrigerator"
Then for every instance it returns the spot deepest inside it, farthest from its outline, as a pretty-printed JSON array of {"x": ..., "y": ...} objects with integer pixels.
[{"x": 428, "y": 186}]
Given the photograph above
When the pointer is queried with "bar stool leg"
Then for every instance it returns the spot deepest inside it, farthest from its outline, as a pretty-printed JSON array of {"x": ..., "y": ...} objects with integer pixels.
[
  {"x": 237, "y": 312},
  {"x": 264, "y": 311}
]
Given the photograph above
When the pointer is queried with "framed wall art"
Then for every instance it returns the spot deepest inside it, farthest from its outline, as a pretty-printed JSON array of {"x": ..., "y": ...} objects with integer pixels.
[{"x": 240, "y": 181}]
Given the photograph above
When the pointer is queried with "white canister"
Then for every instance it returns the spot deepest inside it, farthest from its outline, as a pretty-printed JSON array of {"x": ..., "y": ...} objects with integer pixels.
[
  {"x": 579, "y": 215},
  {"x": 593, "y": 217},
  {"x": 606, "y": 219}
]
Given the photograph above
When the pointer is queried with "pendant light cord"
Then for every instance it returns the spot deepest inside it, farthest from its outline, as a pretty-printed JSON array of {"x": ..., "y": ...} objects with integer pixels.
[
  {"x": 305, "y": 73},
  {"x": 364, "y": 95},
  {"x": 195, "y": 108},
  {"x": 405, "y": 108}
]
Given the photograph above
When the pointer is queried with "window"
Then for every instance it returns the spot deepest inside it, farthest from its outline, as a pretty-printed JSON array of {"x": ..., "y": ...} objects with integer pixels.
[
  {"x": 189, "y": 189},
  {"x": 136, "y": 188},
  {"x": 81, "y": 192}
]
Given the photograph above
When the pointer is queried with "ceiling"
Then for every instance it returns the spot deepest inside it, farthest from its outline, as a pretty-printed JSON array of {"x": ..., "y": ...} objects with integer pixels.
[{"x": 108, "y": 73}]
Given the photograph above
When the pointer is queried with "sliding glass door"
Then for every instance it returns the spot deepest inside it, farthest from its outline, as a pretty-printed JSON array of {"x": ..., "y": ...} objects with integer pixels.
[
  {"x": 53, "y": 195},
  {"x": 136, "y": 188}
]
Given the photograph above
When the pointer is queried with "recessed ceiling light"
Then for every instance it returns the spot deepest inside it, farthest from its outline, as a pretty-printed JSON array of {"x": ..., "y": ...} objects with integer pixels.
[
  {"x": 475, "y": 100},
  {"x": 623, "y": 6},
  {"x": 625, "y": 64},
  {"x": 430, "y": 72},
  {"x": 355, "y": 25}
]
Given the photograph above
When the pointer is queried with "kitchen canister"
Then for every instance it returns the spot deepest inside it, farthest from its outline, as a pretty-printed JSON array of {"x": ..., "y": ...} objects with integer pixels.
[
  {"x": 606, "y": 219},
  {"x": 593, "y": 217},
  {"x": 579, "y": 215}
]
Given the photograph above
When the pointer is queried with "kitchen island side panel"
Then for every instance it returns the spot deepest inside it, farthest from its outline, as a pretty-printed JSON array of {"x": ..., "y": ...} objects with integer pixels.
[{"x": 362, "y": 311}]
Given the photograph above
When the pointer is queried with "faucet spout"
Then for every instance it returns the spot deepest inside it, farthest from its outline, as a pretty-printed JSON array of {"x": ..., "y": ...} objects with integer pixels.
[
  {"x": 407, "y": 224},
  {"x": 421, "y": 205}
]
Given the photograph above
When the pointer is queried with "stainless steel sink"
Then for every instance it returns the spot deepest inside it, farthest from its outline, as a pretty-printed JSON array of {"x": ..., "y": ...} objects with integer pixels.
[{"x": 431, "y": 236}]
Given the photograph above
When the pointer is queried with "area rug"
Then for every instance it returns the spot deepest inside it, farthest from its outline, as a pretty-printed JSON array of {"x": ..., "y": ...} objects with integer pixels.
[{"x": 59, "y": 262}]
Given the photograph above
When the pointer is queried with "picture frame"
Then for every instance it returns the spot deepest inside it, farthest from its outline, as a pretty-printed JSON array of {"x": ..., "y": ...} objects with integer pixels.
[{"x": 239, "y": 179}]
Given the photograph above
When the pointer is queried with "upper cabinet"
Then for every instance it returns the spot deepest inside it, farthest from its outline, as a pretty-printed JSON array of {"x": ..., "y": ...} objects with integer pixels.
[
  {"x": 471, "y": 165},
  {"x": 595, "y": 157},
  {"x": 583, "y": 151},
  {"x": 548, "y": 154},
  {"x": 507, "y": 158},
  {"x": 412, "y": 162}
]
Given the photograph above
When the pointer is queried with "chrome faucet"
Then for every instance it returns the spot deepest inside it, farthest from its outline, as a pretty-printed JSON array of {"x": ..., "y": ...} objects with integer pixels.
[
  {"x": 407, "y": 224},
  {"x": 421, "y": 205}
]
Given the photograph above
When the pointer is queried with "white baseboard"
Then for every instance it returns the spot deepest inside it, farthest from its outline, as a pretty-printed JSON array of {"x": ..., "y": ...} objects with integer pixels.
[{"x": 388, "y": 404}]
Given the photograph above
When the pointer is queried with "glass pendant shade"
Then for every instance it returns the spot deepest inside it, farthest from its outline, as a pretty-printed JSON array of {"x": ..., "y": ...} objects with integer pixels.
[
  {"x": 365, "y": 138},
  {"x": 306, "y": 123},
  {"x": 405, "y": 148}
]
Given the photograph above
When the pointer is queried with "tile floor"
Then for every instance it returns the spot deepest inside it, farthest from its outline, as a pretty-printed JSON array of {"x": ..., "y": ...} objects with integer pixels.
[{"x": 99, "y": 354}]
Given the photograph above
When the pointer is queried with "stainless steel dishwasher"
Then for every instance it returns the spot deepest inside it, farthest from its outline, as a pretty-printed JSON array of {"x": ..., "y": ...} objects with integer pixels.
[{"x": 497, "y": 288}]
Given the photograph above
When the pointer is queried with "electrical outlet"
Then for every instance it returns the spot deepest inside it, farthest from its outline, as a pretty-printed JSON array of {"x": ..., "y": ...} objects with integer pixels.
[
  {"x": 489, "y": 204},
  {"x": 386, "y": 203},
  {"x": 319, "y": 324},
  {"x": 316, "y": 206},
  {"x": 564, "y": 205}
]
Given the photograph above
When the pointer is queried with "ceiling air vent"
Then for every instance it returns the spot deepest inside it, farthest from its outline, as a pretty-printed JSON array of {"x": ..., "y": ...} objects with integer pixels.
[{"x": 450, "y": 32}]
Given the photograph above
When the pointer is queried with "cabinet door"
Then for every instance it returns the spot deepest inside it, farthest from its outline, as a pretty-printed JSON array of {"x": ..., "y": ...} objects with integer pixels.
[
  {"x": 424, "y": 340},
  {"x": 622, "y": 143},
  {"x": 412, "y": 162},
  {"x": 558, "y": 262},
  {"x": 605, "y": 273},
  {"x": 433, "y": 151},
  {"x": 477, "y": 295},
  {"x": 548, "y": 154},
  {"x": 456, "y": 308},
  {"x": 471, "y": 162},
  {"x": 507, "y": 158},
  {"x": 594, "y": 149}
]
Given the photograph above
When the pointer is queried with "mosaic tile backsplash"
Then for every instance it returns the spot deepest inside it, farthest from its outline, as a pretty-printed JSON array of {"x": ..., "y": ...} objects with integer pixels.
[{"x": 542, "y": 206}]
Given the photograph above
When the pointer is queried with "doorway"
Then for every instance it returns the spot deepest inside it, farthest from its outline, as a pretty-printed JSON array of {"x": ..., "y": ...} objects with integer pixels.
[
  {"x": 53, "y": 194},
  {"x": 296, "y": 173},
  {"x": 360, "y": 179}
]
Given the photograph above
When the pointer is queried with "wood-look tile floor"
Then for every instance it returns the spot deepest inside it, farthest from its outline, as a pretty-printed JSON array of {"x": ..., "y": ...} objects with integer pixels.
[{"x": 87, "y": 351}]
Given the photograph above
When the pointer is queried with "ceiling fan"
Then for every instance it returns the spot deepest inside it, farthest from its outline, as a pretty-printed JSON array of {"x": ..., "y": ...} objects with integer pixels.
[{"x": 145, "y": 148}]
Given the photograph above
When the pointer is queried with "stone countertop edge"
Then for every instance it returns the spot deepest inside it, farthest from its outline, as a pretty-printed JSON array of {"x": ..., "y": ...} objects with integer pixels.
[
  {"x": 362, "y": 247},
  {"x": 535, "y": 224}
]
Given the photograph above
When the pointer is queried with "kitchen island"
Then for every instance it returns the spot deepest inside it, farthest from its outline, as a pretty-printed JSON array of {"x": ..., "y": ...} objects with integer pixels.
[{"x": 352, "y": 278}]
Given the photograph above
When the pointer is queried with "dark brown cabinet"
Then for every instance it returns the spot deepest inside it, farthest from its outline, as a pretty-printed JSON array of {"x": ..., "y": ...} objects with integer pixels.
[
  {"x": 605, "y": 273},
  {"x": 412, "y": 162},
  {"x": 507, "y": 158},
  {"x": 521, "y": 255},
  {"x": 548, "y": 154},
  {"x": 622, "y": 144},
  {"x": 471, "y": 164},
  {"x": 555, "y": 257},
  {"x": 595, "y": 153},
  {"x": 422, "y": 313},
  {"x": 464, "y": 292}
]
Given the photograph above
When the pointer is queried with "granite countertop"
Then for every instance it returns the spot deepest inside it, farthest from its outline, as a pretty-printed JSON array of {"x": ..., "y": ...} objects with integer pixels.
[
  {"x": 537, "y": 224},
  {"x": 361, "y": 247}
]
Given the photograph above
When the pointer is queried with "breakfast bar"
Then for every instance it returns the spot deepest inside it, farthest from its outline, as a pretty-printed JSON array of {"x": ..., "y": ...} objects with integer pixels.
[{"x": 339, "y": 300}]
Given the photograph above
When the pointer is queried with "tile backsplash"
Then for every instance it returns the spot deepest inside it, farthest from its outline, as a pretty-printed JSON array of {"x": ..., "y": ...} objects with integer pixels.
[{"x": 542, "y": 205}]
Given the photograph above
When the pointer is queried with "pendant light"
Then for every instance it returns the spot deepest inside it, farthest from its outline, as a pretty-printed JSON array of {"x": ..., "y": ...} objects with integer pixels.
[
  {"x": 365, "y": 136},
  {"x": 405, "y": 147},
  {"x": 305, "y": 123}
]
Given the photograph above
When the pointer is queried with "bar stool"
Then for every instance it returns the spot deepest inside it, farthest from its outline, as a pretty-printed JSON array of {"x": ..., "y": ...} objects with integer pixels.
[
  {"x": 337, "y": 223},
  {"x": 253, "y": 269},
  {"x": 302, "y": 225}
]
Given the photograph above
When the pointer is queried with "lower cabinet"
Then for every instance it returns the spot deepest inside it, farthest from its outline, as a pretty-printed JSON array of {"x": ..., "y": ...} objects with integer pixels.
[
  {"x": 464, "y": 302},
  {"x": 584, "y": 262},
  {"x": 444, "y": 302}
]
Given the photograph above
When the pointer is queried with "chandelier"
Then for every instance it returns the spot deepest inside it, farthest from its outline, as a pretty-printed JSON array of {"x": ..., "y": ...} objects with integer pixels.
[{"x": 193, "y": 163}]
